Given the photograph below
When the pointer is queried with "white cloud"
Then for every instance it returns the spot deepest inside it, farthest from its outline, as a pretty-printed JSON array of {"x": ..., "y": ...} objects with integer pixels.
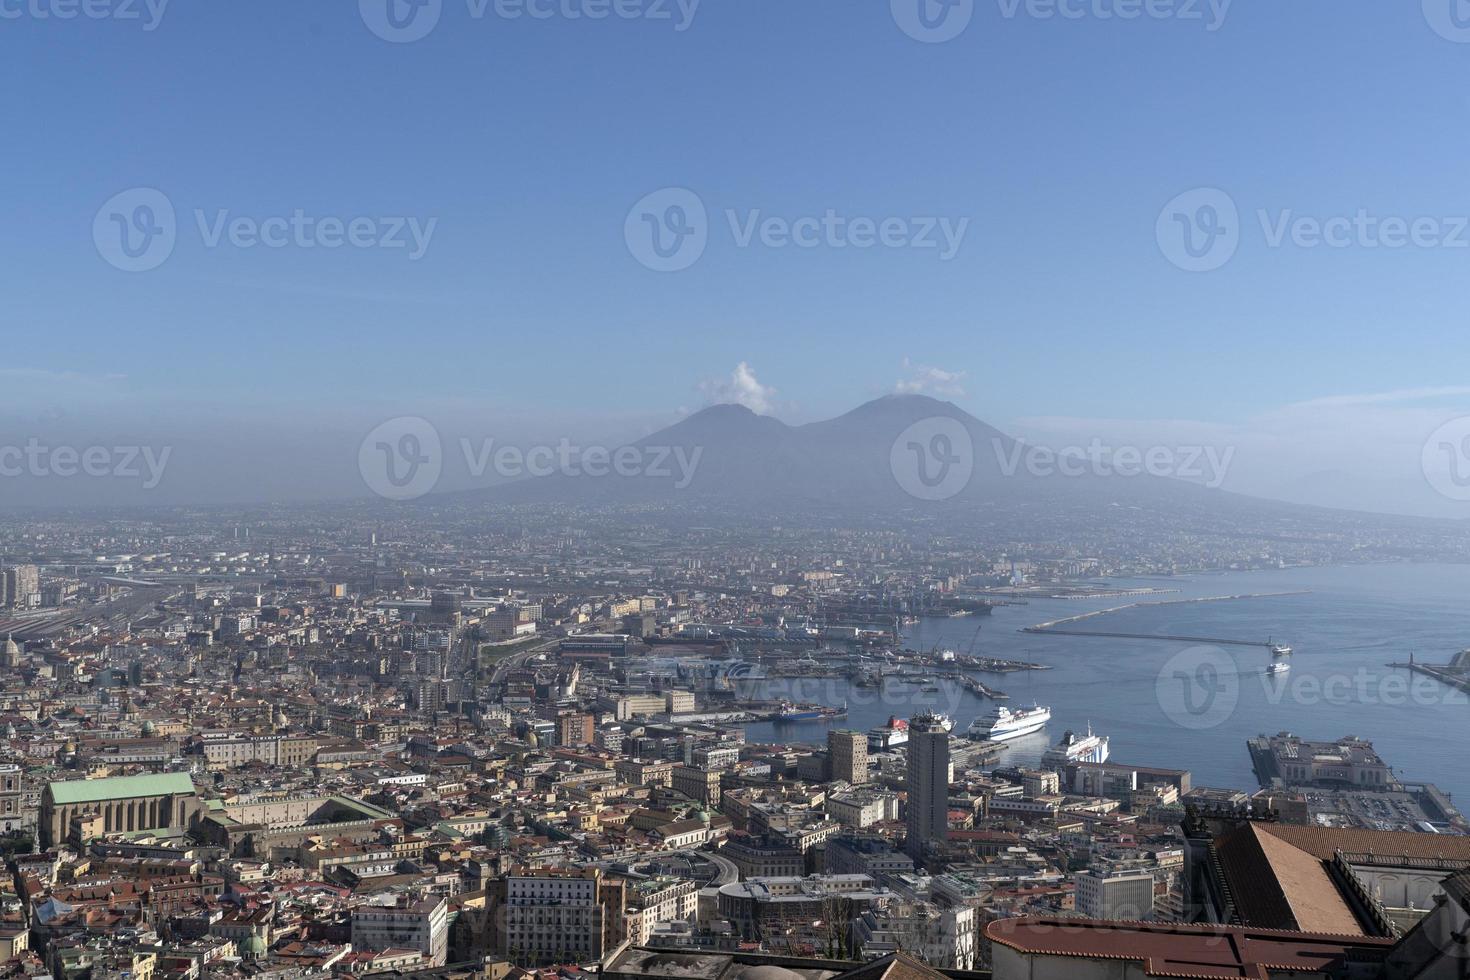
[
  {"x": 921, "y": 379},
  {"x": 1382, "y": 397},
  {"x": 741, "y": 388}
]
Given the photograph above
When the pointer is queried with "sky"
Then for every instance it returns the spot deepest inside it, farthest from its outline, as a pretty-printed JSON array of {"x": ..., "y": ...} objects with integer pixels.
[{"x": 253, "y": 231}]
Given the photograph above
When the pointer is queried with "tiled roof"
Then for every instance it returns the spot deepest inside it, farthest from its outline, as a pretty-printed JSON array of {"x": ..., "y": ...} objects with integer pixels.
[{"x": 1200, "y": 952}]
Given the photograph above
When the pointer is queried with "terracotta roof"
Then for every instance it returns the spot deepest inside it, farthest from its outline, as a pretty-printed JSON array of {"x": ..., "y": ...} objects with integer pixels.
[
  {"x": 1279, "y": 878},
  {"x": 1201, "y": 952},
  {"x": 1322, "y": 842}
]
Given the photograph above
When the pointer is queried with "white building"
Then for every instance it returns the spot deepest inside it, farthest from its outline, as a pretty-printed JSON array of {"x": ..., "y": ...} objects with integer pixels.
[
  {"x": 423, "y": 926},
  {"x": 554, "y": 916},
  {"x": 1126, "y": 895},
  {"x": 944, "y": 938}
]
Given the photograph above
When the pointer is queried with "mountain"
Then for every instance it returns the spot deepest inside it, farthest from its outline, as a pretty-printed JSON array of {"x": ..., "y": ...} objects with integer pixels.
[{"x": 899, "y": 451}]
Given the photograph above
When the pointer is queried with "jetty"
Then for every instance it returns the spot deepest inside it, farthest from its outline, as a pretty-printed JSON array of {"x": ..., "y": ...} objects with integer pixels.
[{"x": 1059, "y": 627}]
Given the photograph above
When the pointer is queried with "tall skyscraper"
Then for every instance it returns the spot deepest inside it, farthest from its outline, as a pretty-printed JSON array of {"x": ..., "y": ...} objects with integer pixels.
[
  {"x": 847, "y": 754},
  {"x": 928, "y": 783}
]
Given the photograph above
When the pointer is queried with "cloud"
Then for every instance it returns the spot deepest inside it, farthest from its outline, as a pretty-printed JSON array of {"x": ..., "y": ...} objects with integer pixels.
[
  {"x": 921, "y": 379},
  {"x": 1382, "y": 397},
  {"x": 741, "y": 388}
]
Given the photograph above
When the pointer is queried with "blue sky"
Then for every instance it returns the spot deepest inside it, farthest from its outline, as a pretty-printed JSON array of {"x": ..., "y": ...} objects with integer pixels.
[{"x": 527, "y": 141}]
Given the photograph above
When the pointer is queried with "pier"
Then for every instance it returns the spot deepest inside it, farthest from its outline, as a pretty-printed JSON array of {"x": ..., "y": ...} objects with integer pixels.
[
  {"x": 1054, "y": 627},
  {"x": 1456, "y": 674}
]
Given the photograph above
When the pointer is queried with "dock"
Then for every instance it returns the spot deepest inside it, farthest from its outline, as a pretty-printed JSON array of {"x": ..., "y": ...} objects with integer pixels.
[
  {"x": 1055, "y": 626},
  {"x": 1454, "y": 675}
]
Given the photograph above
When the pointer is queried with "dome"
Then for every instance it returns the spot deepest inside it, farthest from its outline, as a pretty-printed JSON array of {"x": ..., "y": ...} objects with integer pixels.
[
  {"x": 149, "y": 728},
  {"x": 767, "y": 972}
]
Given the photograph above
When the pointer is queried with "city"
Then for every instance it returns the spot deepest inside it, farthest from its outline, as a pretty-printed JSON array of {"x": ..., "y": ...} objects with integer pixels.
[{"x": 734, "y": 490}]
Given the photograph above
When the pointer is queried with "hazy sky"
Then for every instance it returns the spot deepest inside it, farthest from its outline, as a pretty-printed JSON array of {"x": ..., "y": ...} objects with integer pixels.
[{"x": 1028, "y": 174}]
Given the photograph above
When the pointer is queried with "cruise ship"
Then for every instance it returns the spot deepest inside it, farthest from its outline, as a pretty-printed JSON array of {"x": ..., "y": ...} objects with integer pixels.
[
  {"x": 888, "y": 736},
  {"x": 1074, "y": 748},
  {"x": 1003, "y": 723}
]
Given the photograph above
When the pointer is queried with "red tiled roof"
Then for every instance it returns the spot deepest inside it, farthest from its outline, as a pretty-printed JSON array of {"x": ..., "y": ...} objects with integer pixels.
[{"x": 1197, "y": 952}]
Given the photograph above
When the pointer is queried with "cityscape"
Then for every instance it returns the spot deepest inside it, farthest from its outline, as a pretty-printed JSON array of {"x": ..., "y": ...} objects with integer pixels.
[{"x": 723, "y": 490}]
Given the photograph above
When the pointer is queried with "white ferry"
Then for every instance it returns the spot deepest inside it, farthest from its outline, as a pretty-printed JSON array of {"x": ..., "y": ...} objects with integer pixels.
[
  {"x": 1074, "y": 748},
  {"x": 1279, "y": 667},
  {"x": 1003, "y": 723},
  {"x": 888, "y": 736}
]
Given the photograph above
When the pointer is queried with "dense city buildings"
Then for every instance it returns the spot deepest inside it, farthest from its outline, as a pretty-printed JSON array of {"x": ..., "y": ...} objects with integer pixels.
[{"x": 303, "y": 759}]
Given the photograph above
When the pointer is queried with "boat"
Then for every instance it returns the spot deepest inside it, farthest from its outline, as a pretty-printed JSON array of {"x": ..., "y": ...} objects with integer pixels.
[
  {"x": 1278, "y": 667},
  {"x": 1074, "y": 748},
  {"x": 790, "y": 712},
  {"x": 1279, "y": 649},
  {"x": 888, "y": 736},
  {"x": 1003, "y": 723}
]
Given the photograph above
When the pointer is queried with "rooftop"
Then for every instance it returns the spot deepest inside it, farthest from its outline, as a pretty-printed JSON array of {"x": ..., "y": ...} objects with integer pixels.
[{"x": 120, "y": 787}]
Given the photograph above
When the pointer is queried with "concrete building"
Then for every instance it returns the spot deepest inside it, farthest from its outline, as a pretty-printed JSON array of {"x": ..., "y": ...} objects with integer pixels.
[
  {"x": 847, "y": 753},
  {"x": 123, "y": 803},
  {"x": 700, "y": 785},
  {"x": 1126, "y": 895},
  {"x": 554, "y": 916},
  {"x": 762, "y": 906},
  {"x": 928, "y": 783},
  {"x": 406, "y": 924},
  {"x": 942, "y": 937}
]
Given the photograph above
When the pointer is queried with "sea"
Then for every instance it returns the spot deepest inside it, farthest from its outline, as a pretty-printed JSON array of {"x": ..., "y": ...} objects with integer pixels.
[{"x": 1181, "y": 704}]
